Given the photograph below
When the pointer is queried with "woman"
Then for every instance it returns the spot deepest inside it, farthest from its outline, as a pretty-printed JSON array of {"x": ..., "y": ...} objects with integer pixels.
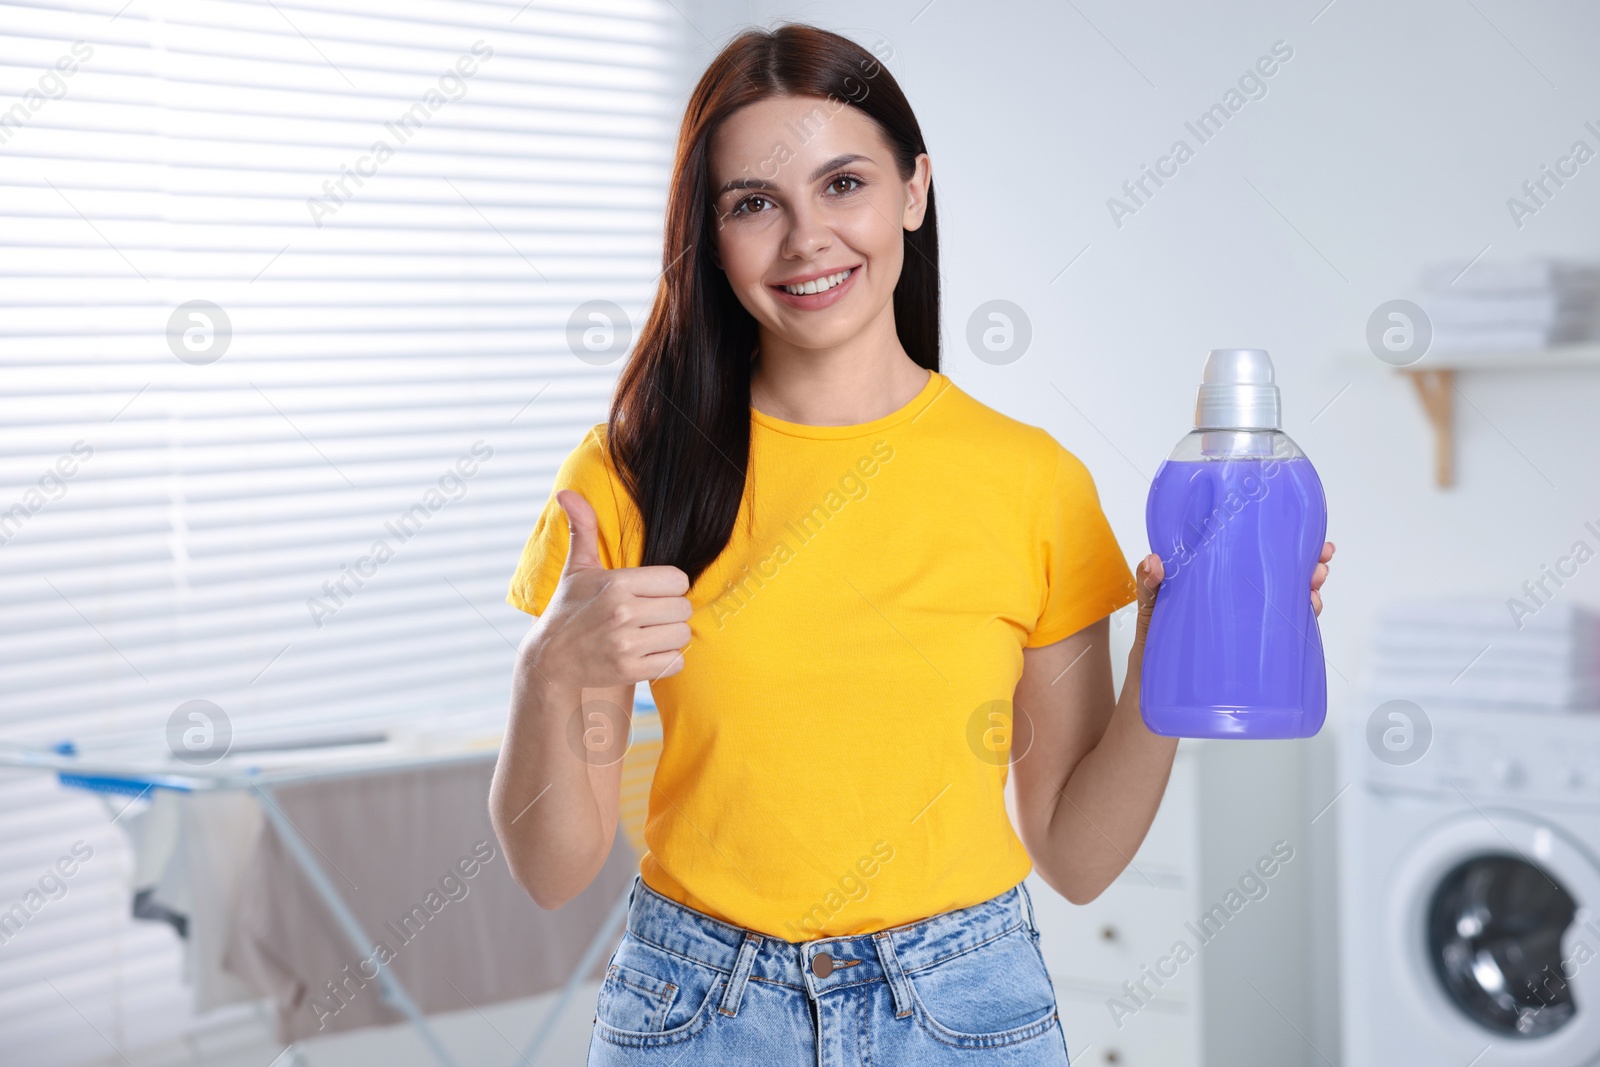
[{"x": 858, "y": 596}]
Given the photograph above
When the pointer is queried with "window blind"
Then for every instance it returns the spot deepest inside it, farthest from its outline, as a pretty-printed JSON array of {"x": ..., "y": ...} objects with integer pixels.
[{"x": 291, "y": 346}]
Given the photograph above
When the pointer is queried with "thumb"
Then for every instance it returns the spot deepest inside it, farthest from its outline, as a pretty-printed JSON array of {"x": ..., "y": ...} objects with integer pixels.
[{"x": 583, "y": 530}]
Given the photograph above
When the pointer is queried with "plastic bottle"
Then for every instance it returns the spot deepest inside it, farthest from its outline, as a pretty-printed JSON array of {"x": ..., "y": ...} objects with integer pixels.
[{"x": 1238, "y": 516}]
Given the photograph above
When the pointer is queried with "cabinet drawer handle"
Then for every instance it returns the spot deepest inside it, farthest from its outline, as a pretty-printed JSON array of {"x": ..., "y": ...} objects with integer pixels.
[
  {"x": 1112, "y": 1056},
  {"x": 1109, "y": 933}
]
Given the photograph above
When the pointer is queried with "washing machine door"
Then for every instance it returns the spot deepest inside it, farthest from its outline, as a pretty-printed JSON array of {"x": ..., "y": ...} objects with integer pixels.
[{"x": 1495, "y": 921}]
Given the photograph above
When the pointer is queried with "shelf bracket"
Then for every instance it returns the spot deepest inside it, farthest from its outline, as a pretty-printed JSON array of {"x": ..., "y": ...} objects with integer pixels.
[{"x": 1436, "y": 387}]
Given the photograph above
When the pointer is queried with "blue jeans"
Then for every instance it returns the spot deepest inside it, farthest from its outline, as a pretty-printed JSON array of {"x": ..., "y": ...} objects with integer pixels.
[{"x": 962, "y": 987}]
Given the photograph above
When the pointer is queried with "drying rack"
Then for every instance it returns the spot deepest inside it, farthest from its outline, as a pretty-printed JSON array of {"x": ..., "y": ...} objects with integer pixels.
[{"x": 135, "y": 764}]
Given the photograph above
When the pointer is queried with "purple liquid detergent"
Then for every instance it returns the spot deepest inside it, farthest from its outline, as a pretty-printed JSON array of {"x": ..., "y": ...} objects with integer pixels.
[{"x": 1238, "y": 517}]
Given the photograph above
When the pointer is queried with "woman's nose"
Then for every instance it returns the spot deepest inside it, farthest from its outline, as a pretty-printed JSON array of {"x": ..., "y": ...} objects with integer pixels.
[{"x": 808, "y": 234}]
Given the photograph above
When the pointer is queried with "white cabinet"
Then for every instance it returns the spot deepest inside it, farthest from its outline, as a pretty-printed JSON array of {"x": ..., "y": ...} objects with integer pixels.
[{"x": 1196, "y": 955}]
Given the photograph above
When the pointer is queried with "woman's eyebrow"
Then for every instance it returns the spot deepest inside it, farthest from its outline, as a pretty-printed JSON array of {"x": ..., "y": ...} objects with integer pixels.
[
  {"x": 761, "y": 183},
  {"x": 835, "y": 163}
]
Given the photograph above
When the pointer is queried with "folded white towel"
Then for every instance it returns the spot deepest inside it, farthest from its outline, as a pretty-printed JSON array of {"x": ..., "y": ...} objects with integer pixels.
[
  {"x": 1468, "y": 309},
  {"x": 1529, "y": 642},
  {"x": 1469, "y": 649},
  {"x": 1488, "y": 653},
  {"x": 1456, "y": 677},
  {"x": 1484, "y": 665},
  {"x": 1488, "y": 614},
  {"x": 1512, "y": 276},
  {"x": 1440, "y": 710},
  {"x": 1497, "y": 652},
  {"x": 1553, "y": 694}
]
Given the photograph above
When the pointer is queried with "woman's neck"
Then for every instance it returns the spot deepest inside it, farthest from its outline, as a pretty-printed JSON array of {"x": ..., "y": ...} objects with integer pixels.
[{"x": 841, "y": 386}]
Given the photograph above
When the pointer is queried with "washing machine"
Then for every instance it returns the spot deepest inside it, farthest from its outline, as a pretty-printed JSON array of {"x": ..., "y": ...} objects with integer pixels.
[{"x": 1470, "y": 888}]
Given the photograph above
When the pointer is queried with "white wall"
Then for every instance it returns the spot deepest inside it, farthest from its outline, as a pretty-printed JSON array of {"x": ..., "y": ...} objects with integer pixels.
[{"x": 1391, "y": 138}]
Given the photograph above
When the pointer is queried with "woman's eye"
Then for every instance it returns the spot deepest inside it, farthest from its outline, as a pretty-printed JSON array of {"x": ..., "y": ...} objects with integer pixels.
[
  {"x": 746, "y": 206},
  {"x": 848, "y": 182}
]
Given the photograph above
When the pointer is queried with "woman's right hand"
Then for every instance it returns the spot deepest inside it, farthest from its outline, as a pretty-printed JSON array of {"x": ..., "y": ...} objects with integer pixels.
[{"x": 606, "y": 628}]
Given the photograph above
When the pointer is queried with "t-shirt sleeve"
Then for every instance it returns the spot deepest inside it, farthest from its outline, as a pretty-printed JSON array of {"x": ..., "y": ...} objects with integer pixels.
[
  {"x": 1086, "y": 576},
  {"x": 586, "y": 471}
]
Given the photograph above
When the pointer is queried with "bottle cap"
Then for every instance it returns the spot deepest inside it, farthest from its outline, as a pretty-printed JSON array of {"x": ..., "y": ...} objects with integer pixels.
[{"x": 1237, "y": 392}]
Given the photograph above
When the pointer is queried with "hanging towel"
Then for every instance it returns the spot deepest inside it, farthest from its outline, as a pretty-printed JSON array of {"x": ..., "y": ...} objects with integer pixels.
[{"x": 400, "y": 847}]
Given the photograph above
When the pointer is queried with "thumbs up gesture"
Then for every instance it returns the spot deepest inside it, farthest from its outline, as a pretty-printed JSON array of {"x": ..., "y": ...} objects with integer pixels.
[{"x": 607, "y": 627}]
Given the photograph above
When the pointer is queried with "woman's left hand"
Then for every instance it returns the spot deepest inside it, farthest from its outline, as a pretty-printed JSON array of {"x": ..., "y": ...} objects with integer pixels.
[
  {"x": 1320, "y": 575},
  {"x": 1149, "y": 574}
]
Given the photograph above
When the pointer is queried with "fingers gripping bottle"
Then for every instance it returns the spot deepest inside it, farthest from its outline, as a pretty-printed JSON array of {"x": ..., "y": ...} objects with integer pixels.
[{"x": 1238, "y": 517}]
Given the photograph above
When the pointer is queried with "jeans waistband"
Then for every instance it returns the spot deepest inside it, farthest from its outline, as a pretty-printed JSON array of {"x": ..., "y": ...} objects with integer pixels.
[{"x": 855, "y": 958}]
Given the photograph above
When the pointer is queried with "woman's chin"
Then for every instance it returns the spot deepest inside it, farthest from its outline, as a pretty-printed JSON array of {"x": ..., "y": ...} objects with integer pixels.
[
  {"x": 813, "y": 336},
  {"x": 825, "y": 328}
]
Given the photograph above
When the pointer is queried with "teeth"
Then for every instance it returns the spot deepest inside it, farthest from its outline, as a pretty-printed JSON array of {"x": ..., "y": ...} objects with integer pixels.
[{"x": 818, "y": 285}]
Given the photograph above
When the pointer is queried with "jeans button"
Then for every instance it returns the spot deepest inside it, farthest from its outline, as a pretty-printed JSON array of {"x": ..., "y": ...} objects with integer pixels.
[{"x": 822, "y": 965}]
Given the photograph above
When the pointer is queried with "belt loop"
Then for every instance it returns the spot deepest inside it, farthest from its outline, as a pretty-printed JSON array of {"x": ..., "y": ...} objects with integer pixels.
[
  {"x": 741, "y": 972},
  {"x": 899, "y": 984},
  {"x": 1027, "y": 900}
]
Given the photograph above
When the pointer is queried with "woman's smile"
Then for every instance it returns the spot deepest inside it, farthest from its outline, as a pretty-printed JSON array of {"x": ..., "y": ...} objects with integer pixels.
[{"x": 816, "y": 290}]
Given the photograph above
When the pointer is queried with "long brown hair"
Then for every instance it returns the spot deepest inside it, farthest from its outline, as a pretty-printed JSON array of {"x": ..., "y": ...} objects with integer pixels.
[{"x": 679, "y": 426}]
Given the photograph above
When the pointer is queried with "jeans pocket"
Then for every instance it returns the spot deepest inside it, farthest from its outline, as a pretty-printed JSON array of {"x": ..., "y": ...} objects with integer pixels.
[
  {"x": 653, "y": 997},
  {"x": 633, "y": 1000},
  {"x": 996, "y": 994}
]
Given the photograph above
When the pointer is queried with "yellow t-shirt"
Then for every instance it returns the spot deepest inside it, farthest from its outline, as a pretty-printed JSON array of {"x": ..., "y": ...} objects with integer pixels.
[{"x": 835, "y": 749}]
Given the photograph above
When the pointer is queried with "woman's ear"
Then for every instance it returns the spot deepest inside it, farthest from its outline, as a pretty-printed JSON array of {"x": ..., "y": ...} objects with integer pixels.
[{"x": 917, "y": 193}]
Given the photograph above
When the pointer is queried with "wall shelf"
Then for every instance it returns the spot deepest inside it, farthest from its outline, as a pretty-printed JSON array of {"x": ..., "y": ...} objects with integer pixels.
[{"x": 1434, "y": 378}]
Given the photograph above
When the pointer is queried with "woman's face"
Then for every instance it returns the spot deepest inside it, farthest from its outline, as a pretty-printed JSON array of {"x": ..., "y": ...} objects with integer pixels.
[{"x": 807, "y": 197}]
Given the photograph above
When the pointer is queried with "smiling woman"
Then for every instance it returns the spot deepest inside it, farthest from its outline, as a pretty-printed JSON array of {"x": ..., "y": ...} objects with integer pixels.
[{"x": 862, "y": 704}]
